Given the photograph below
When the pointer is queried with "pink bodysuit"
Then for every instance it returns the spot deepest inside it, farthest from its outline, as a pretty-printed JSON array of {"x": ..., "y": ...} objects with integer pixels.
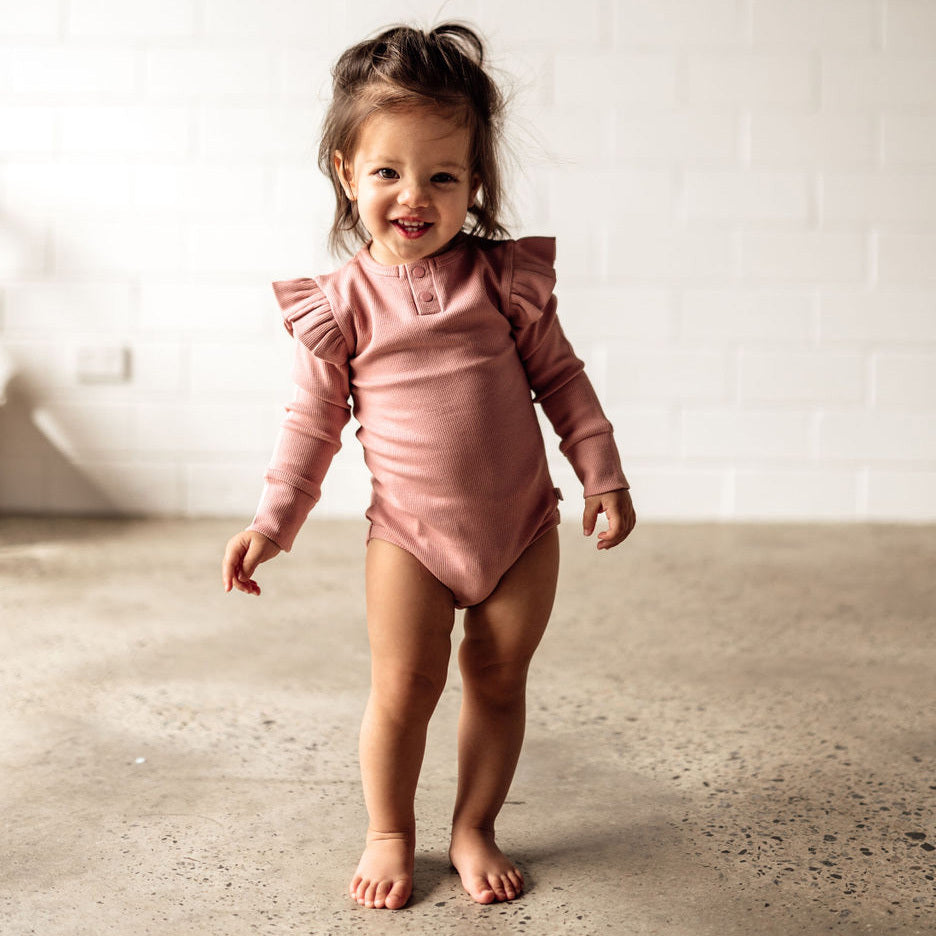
[{"x": 439, "y": 358}]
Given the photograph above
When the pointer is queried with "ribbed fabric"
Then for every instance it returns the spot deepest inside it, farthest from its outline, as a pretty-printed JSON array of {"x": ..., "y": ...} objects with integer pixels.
[{"x": 439, "y": 358}]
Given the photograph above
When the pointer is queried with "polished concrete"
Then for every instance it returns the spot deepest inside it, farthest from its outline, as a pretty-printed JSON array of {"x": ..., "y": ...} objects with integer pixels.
[{"x": 732, "y": 730}]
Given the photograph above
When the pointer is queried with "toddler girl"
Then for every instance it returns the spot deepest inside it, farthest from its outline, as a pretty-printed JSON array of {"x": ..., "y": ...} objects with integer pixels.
[{"x": 437, "y": 336}]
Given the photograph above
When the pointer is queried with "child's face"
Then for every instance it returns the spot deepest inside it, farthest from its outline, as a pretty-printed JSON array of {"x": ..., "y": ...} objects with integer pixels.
[{"x": 412, "y": 181}]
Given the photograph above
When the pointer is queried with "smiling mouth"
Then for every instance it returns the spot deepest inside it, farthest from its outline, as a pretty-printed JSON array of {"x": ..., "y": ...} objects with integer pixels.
[{"x": 411, "y": 229}]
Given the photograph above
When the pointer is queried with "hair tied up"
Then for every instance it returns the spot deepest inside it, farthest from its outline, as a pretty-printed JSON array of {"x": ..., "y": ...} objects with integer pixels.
[
  {"x": 403, "y": 67},
  {"x": 467, "y": 40}
]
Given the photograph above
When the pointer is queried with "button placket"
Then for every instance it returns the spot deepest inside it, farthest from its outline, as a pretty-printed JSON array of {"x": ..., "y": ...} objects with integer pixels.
[{"x": 421, "y": 286}]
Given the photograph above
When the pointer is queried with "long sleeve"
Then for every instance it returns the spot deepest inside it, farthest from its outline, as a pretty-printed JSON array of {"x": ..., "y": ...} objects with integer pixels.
[
  {"x": 557, "y": 377},
  {"x": 311, "y": 433}
]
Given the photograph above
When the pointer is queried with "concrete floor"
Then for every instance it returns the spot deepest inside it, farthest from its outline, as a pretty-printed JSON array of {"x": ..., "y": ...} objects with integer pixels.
[{"x": 731, "y": 731}]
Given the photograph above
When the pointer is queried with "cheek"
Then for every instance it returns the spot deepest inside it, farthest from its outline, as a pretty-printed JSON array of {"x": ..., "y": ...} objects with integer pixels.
[
  {"x": 367, "y": 199},
  {"x": 458, "y": 201}
]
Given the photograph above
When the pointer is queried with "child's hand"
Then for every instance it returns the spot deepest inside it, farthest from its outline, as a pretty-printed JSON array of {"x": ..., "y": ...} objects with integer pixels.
[
  {"x": 243, "y": 554},
  {"x": 617, "y": 506}
]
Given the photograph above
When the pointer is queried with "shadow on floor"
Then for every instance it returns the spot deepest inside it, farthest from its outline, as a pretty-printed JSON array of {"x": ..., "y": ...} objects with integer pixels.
[{"x": 38, "y": 472}]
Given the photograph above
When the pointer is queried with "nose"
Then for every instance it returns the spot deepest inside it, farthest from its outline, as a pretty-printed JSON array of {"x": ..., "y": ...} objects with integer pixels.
[{"x": 414, "y": 194}]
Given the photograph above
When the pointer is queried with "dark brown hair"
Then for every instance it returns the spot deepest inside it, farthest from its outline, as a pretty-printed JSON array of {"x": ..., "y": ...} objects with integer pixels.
[{"x": 405, "y": 67}]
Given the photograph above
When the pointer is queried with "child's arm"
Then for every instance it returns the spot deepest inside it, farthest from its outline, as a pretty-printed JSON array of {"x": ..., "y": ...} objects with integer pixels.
[
  {"x": 559, "y": 383},
  {"x": 308, "y": 440},
  {"x": 244, "y": 552},
  {"x": 311, "y": 432},
  {"x": 618, "y": 508},
  {"x": 309, "y": 437}
]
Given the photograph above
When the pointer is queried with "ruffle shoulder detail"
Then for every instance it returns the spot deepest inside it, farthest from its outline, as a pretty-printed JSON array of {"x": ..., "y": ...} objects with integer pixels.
[
  {"x": 308, "y": 317},
  {"x": 533, "y": 277}
]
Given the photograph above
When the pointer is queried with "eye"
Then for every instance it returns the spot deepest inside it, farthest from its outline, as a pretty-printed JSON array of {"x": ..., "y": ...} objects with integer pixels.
[
  {"x": 444, "y": 178},
  {"x": 386, "y": 173}
]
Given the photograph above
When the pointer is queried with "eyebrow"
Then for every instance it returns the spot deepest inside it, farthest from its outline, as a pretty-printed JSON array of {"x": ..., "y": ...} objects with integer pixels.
[{"x": 441, "y": 165}]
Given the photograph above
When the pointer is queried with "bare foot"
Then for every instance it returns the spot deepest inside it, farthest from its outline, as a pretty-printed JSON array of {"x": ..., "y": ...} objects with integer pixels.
[
  {"x": 384, "y": 877},
  {"x": 486, "y": 872}
]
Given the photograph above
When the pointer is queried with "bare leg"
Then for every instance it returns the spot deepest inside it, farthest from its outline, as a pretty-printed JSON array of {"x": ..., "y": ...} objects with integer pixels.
[
  {"x": 409, "y": 621},
  {"x": 501, "y": 635}
]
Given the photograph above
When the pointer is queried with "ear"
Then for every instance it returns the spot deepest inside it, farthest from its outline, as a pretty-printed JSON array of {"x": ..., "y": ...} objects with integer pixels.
[
  {"x": 475, "y": 188},
  {"x": 345, "y": 175}
]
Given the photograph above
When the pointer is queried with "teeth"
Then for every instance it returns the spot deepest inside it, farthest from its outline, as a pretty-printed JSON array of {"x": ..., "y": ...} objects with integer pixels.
[{"x": 412, "y": 225}]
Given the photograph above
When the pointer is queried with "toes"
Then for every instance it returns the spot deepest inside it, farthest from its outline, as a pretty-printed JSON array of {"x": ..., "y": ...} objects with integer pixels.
[
  {"x": 497, "y": 888},
  {"x": 387, "y": 895},
  {"x": 357, "y": 889},
  {"x": 397, "y": 897},
  {"x": 370, "y": 898},
  {"x": 481, "y": 891},
  {"x": 516, "y": 880},
  {"x": 503, "y": 889},
  {"x": 487, "y": 875},
  {"x": 379, "y": 894}
]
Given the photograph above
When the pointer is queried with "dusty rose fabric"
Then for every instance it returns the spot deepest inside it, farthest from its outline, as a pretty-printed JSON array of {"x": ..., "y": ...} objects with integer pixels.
[{"x": 439, "y": 358}]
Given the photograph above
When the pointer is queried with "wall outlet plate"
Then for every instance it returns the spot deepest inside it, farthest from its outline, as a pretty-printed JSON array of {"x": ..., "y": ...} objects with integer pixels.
[{"x": 103, "y": 364}]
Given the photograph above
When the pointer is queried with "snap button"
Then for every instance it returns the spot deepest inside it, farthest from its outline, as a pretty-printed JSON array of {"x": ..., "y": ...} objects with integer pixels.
[
  {"x": 427, "y": 297},
  {"x": 419, "y": 272}
]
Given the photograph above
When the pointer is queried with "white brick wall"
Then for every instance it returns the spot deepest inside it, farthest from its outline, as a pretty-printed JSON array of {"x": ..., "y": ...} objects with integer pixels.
[{"x": 744, "y": 193}]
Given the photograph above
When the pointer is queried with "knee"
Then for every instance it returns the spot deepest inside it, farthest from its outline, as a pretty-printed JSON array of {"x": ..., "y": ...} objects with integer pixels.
[
  {"x": 497, "y": 683},
  {"x": 407, "y": 694}
]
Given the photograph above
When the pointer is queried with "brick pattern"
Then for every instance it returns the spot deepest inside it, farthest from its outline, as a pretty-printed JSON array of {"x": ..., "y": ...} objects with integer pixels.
[{"x": 744, "y": 194}]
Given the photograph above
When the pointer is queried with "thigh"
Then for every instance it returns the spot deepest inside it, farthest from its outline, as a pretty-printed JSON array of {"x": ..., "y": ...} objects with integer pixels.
[
  {"x": 410, "y": 614},
  {"x": 507, "y": 626}
]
